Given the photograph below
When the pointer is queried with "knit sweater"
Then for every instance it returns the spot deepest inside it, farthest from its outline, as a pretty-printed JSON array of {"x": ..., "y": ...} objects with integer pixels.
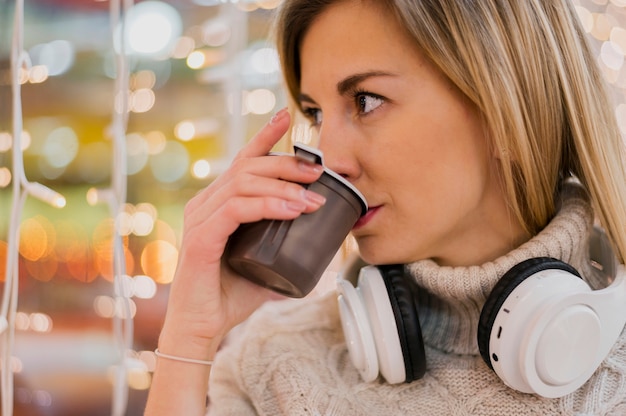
[{"x": 290, "y": 357}]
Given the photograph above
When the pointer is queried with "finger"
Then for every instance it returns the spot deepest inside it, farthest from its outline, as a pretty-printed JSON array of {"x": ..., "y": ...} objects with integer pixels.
[
  {"x": 277, "y": 176},
  {"x": 258, "y": 178},
  {"x": 207, "y": 236},
  {"x": 240, "y": 210},
  {"x": 250, "y": 186},
  {"x": 263, "y": 142}
]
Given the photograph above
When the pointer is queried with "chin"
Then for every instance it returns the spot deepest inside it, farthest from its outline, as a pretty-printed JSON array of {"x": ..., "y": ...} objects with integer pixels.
[{"x": 373, "y": 254}]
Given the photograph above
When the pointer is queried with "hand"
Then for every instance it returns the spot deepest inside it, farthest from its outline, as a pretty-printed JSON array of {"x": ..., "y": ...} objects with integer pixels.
[{"x": 207, "y": 298}]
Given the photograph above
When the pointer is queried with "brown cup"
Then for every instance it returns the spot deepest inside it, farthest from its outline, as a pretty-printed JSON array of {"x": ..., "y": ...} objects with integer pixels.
[{"x": 290, "y": 257}]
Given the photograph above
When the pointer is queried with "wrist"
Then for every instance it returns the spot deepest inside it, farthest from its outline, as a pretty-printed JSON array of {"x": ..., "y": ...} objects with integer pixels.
[
  {"x": 183, "y": 344},
  {"x": 160, "y": 354}
]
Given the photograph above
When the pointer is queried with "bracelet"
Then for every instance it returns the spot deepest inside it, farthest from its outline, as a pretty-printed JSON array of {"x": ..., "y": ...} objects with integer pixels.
[{"x": 183, "y": 359}]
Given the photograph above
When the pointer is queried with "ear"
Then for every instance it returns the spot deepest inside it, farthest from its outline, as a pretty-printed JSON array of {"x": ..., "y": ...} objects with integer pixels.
[
  {"x": 502, "y": 154},
  {"x": 499, "y": 151}
]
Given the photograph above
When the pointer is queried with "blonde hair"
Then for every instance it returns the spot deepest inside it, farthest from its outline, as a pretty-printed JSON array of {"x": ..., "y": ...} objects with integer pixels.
[{"x": 527, "y": 67}]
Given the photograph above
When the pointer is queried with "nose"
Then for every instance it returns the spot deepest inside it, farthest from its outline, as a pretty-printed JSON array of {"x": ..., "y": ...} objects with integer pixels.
[{"x": 340, "y": 152}]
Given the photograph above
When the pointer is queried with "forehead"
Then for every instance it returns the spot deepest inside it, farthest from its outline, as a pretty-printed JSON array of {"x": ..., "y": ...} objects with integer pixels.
[{"x": 353, "y": 37}]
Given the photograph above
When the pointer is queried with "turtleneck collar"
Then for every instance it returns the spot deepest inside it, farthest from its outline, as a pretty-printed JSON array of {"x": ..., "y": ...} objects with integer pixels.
[{"x": 451, "y": 298}]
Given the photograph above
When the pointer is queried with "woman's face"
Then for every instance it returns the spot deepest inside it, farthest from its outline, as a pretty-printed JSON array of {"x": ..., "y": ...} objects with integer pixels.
[{"x": 396, "y": 128}]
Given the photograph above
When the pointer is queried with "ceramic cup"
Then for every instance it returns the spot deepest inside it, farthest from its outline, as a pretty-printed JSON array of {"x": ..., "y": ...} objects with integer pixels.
[{"x": 290, "y": 257}]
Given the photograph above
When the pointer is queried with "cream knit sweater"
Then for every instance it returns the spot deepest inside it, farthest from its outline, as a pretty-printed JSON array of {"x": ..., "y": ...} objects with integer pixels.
[{"x": 291, "y": 359}]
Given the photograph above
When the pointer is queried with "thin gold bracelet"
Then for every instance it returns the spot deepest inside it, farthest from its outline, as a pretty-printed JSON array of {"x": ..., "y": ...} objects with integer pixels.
[{"x": 183, "y": 359}]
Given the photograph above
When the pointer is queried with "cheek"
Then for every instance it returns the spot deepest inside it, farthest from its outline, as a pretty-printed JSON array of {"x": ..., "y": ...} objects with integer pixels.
[
  {"x": 457, "y": 151},
  {"x": 435, "y": 182}
]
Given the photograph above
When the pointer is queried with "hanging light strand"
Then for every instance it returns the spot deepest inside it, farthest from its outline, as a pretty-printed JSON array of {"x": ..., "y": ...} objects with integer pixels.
[
  {"x": 123, "y": 319},
  {"x": 22, "y": 188}
]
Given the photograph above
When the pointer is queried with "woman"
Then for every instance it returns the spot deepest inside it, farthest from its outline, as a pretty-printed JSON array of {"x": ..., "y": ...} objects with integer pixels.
[{"x": 460, "y": 122}]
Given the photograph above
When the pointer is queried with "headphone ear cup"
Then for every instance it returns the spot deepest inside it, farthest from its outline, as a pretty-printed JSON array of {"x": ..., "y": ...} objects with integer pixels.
[
  {"x": 381, "y": 325},
  {"x": 542, "y": 329},
  {"x": 357, "y": 330},
  {"x": 501, "y": 291},
  {"x": 395, "y": 322},
  {"x": 402, "y": 295}
]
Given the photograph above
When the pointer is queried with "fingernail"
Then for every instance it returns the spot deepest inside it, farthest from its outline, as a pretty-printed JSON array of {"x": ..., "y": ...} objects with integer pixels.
[
  {"x": 279, "y": 116},
  {"x": 313, "y": 198},
  {"x": 309, "y": 167},
  {"x": 295, "y": 206}
]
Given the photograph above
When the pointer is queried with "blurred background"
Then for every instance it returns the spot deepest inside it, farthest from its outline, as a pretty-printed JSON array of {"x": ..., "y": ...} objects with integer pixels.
[{"x": 204, "y": 78}]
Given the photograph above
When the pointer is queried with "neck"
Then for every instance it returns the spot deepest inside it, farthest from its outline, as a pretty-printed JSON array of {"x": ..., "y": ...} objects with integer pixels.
[{"x": 451, "y": 297}]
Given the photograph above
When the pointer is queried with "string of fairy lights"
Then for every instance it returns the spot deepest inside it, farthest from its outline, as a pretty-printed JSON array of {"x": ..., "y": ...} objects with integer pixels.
[
  {"x": 115, "y": 197},
  {"x": 22, "y": 188}
]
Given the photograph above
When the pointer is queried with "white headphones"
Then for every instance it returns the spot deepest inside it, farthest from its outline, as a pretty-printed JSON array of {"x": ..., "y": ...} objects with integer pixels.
[{"x": 543, "y": 330}]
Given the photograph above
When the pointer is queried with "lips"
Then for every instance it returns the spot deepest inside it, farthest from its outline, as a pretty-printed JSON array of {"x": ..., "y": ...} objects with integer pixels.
[{"x": 366, "y": 218}]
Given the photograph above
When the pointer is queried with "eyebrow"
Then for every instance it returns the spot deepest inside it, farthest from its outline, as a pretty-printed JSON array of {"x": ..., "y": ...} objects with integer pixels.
[{"x": 349, "y": 83}]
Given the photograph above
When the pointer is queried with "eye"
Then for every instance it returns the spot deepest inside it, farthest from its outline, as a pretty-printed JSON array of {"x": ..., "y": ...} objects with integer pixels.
[
  {"x": 314, "y": 115},
  {"x": 367, "y": 102}
]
